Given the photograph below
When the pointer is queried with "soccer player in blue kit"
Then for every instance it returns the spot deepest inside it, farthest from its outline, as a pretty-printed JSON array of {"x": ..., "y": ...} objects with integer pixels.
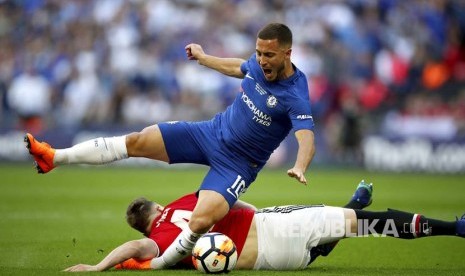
[{"x": 236, "y": 143}]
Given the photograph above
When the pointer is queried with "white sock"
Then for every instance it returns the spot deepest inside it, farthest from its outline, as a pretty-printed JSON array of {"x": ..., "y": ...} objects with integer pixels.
[
  {"x": 180, "y": 248},
  {"x": 94, "y": 152}
]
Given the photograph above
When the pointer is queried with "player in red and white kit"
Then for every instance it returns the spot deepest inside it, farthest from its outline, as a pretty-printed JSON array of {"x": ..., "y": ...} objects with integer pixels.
[
  {"x": 275, "y": 238},
  {"x": 176, "y": 215}
]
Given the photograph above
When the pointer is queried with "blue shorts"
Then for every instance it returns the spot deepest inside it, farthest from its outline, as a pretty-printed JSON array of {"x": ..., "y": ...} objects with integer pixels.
[{"x": 196, "y": 142}]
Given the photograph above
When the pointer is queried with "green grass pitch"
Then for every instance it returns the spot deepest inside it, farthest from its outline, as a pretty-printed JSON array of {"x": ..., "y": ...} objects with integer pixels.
[{"x": 76, "y": 215}]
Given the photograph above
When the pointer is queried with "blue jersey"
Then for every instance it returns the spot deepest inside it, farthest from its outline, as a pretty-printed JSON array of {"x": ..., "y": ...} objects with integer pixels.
[
  {"x": 264, "y": 112},
  {"x": 238, "y": 142}
]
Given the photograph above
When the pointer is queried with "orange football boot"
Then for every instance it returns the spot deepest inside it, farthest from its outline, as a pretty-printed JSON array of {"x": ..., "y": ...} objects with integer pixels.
[
  {"x": 134, "y": 264},
  {"x": 42, "y": 152}
]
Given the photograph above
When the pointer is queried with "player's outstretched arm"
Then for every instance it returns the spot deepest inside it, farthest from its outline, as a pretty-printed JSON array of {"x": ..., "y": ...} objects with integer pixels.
[
  {"x": 228, "y": 66},
  {"x": 305, "y": 139},
  {"x": 139, "y": 249}
]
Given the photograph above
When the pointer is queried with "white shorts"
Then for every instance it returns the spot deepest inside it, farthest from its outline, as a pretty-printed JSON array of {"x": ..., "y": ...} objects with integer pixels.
[{"x": 287, "y": 233}]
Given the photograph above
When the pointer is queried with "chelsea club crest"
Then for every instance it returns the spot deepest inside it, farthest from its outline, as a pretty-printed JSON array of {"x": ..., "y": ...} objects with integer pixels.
[{"x": 271, "y": 101}]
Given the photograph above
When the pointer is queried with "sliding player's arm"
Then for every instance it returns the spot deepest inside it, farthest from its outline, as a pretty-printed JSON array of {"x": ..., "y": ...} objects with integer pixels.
[{"x": 143, "y": 249}]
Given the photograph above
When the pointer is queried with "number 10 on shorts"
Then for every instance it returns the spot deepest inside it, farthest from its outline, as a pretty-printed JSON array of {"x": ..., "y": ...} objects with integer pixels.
[{"x": 238, "y": 187}]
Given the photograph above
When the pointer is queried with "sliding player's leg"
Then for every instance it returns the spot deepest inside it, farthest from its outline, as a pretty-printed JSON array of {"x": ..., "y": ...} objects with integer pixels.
[
  {"x": 404, "y": 225},
  {"x": 391, "y": 223},
  {"x": 361, "y": 199},
  {"x": 362, "y": 196},
  {"x": 342, "y": 223}
]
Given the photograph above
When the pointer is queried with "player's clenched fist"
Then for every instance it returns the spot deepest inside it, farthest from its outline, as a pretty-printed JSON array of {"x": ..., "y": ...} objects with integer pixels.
[{"x": 194, "y": 51}]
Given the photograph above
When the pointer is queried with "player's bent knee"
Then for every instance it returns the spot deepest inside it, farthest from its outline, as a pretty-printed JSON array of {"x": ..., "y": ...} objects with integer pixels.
[
  {"x": 147, "y": 143},
  {"x": 201, "y": 224},
  {"x": 134, "y": 143}
]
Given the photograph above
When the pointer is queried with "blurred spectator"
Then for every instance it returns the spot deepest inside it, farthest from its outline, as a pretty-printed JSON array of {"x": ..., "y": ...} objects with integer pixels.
[
  {"x": 146, "y": 108},
  {"x": 423, "y": 116},
  {"x": 84, "y": 98},
  {"x": 29, "y": 96}
]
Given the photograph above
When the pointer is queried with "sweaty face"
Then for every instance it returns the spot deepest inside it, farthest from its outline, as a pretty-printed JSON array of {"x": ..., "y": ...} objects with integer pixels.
[{"x": 271, "y": 58}]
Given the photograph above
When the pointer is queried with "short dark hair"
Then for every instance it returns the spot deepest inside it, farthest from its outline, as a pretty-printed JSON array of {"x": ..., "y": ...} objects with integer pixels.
[
  {"x": 277, "y": 31},
  {"x": 138, "y": 214}
]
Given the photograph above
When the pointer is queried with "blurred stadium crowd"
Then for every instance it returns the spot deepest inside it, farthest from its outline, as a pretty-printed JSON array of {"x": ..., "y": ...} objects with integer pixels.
[{"x": 389, "y": 66}]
